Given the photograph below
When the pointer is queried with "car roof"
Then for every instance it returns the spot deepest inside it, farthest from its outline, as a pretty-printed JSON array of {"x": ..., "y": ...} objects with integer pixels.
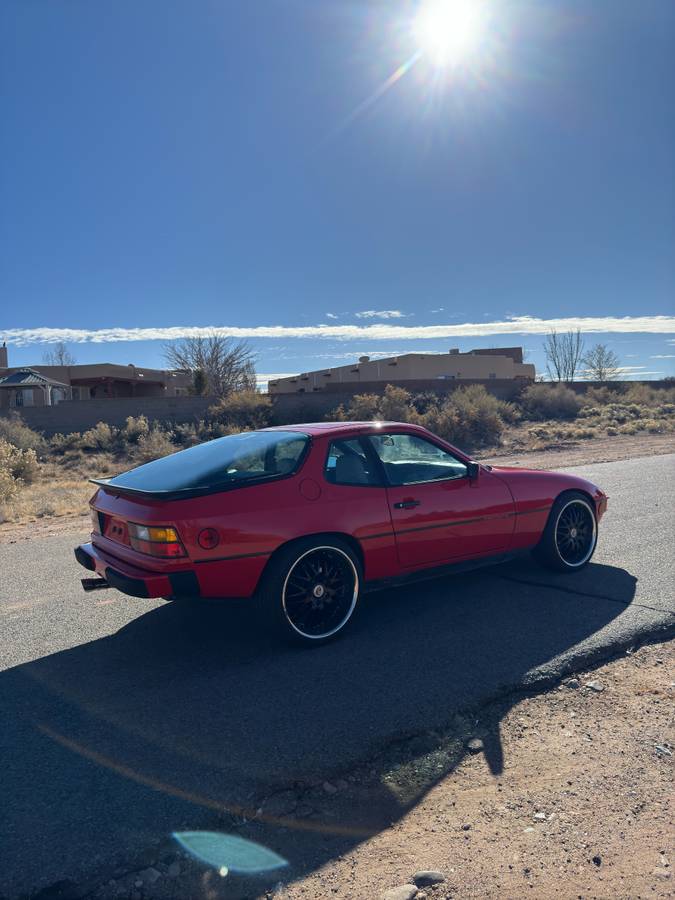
[{"x": 324, "y": 428}]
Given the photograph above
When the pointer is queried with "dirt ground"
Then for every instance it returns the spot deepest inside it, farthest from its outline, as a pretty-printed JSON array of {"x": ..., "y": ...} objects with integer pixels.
[
  {"x": 73, "y": 495},
  {"x": 569, "y": 796},
  {"x": 582, "y": 453},
  {"x": 582, "y": 809}
]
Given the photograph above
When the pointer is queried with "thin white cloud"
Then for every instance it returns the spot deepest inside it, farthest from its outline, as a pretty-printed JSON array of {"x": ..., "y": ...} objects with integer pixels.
[
  {"x": 380, "y": 314},
  {"x": 262, "y": 378},
  {"x": 663, "y": 356},
  {"x": 376, "y": 332},
  {"x": 331, "y": 316}
]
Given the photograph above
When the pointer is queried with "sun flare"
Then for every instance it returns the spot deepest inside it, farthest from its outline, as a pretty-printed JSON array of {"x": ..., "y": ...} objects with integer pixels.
[{"x": 448, "y": 31}]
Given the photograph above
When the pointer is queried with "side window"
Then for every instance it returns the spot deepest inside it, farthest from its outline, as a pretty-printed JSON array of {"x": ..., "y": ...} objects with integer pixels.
[
  {"x": 347, "y": 463},
  {"x": 409, "y": 459}
]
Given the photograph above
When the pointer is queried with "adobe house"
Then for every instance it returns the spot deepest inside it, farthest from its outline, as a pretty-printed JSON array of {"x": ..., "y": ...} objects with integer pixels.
[
  {"x": 416, "y": 371},
  {"x": 40, "y": 385}
]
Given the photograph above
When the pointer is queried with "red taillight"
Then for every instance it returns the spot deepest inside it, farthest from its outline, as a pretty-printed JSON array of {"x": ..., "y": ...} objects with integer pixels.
[
  {"x": 156, "y": 540},
  {"x": 208, "y": 538}
]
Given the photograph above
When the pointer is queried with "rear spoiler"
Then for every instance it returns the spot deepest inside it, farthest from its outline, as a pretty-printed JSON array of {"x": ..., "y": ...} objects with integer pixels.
[
  {"x": 151, "y": 495},
  {"x": 183, "y": 493}
]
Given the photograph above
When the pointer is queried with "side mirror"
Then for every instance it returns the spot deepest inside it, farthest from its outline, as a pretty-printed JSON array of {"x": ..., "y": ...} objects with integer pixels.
[{"x": 472, "y": 470}]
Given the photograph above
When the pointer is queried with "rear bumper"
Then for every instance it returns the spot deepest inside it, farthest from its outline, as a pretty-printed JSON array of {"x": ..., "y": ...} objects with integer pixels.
[{"x": 137, "y": 582}]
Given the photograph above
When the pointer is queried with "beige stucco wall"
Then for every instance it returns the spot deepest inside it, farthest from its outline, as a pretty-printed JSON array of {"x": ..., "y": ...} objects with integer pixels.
[{"x": 411, "y": 367}]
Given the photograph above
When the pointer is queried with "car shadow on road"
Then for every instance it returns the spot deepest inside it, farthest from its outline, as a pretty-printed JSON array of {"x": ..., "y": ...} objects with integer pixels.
[{"x": 190, "y": 719}]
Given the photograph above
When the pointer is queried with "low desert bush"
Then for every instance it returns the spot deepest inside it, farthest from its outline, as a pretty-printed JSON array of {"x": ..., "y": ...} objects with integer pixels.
[
  {"x": 153, "y": 445},
  {"x": 396, "y": 405},
  {"x": 361, "y": 408},
  {"x": 100, "y": 437},
  {"x": 478, "y": 417},
  {"x": 135, "y": 428},
  {"x": 550, "y": 401},
  {"x": 15, "y": 431},
  {"x": 243, "y": 410},
  {"x": 17, "y": 467},
  {"x": 469, "y": 417}
]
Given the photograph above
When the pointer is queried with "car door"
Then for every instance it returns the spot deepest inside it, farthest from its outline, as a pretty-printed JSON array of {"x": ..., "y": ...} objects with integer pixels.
[{"x": 438, "y": 513}]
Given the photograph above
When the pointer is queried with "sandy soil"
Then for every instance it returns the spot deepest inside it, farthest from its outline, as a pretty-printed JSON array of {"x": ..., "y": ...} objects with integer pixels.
[
  {"x": 582, "y": 453},
  {"x": 557, "y": 457},
  {"x": 570, "y": 796},
  {"x": 583, "y": 807}
]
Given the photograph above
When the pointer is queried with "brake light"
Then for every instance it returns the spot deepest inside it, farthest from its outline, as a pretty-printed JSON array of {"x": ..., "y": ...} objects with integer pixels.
[{"x": 156, "y": 540}]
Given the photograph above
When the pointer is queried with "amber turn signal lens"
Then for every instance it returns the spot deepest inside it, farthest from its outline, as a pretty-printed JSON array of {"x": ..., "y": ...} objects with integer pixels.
[
  {"x": 208, "y": 538},
  {"x": 155, "y": 540}
]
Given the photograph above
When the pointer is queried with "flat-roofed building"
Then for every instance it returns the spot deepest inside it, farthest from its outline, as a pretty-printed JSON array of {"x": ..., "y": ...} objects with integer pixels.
[
  {"x": 40, "y": 385},
  {"x": 418, "y": 371}
]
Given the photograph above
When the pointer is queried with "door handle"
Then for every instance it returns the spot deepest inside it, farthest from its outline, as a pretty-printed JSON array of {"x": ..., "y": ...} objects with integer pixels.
[{"x": 406, "y": 504}]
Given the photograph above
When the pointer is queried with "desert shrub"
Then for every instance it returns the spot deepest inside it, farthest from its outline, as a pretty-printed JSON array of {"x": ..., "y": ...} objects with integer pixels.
[
  {"x": 509, "y": 412},
  {"x": 135, "y": 428},
  {"x": 17, "y": 467},
  {"x": 470, "y": 417},
  {"x": 395, "y": 404},
  {"x": 61, "y": 444},
  {"x": 153, "y": 445},
  {"x": 362, "y": 408},
  {"x": 477, "y": 415},
  {"x": 9, "y": 487},
  {"x": 599, "y": 396},
  {"x": 243, "y": 410},
  {"x": 645, "y": 395},
  {"x": 550, "y": 401},
  {"x": 185, "y": 434},
  {"x": 424, "y": 400},
  {"x": 100, "y": 437},
  {"x": 15, "y": 431}
]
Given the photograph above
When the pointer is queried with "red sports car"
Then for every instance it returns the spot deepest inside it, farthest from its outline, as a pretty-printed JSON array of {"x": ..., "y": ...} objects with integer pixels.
[{"x": 300, "y": 518}]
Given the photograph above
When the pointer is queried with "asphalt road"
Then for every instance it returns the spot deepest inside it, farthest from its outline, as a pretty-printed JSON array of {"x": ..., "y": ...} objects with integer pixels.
[{"x": 124, "y": 720}]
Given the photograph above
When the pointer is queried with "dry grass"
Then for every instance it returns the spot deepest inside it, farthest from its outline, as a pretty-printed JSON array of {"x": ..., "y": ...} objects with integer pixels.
[{"x": 58, "y": 490}]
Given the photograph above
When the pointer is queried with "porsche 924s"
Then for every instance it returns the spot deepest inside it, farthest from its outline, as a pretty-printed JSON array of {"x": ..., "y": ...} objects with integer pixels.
[{"x": 300, "y": 518}]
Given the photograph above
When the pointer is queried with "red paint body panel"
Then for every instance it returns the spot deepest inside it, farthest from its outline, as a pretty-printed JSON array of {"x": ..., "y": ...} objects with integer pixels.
[{"x": 456, "y": 519}]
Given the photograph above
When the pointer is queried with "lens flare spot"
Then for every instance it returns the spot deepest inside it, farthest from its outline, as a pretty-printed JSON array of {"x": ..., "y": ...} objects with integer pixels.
[{"x": 229, "y": 853}]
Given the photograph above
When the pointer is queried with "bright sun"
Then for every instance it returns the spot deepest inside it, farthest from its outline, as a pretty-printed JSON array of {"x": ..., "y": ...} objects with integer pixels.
[{"x": 448, "y": 31}]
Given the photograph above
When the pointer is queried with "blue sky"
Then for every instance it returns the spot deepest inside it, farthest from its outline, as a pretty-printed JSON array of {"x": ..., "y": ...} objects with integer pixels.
[{"x": 173, "y": 165}]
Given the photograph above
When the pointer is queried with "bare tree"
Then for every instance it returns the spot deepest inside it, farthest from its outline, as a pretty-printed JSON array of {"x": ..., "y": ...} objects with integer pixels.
[
  {"x": 227, "y": 365},
  {"x": 563, "y": 354},
  {"x": 602, "y": 364},
  {"x": 59, "y": 356}
]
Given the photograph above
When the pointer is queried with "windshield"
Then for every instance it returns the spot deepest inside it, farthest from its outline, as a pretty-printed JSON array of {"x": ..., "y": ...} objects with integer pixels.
[{"x": 227, "y": 461}]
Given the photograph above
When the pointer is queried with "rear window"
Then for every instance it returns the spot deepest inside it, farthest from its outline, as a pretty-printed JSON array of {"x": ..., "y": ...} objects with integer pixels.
[{"x": 226, "y": 462}]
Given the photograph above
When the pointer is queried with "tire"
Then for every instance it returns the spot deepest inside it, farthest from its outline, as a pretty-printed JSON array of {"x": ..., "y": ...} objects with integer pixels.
[
  {"x": 310, "y": 590},
  {"x": 571, "y": 534}
]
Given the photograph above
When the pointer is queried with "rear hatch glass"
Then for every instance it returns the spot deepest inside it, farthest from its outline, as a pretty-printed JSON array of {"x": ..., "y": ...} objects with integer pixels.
[{"x": 227, "y": 462}]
